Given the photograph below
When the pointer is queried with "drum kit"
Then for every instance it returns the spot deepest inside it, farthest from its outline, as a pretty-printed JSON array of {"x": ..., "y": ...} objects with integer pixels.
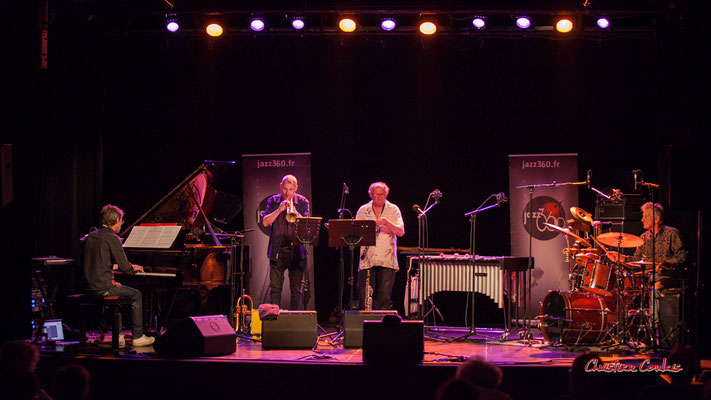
[{"x": 606, "y": 303}]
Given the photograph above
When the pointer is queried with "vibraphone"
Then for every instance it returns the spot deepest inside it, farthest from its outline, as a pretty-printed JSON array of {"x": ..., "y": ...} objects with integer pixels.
[{"x": 454, "y": 273}]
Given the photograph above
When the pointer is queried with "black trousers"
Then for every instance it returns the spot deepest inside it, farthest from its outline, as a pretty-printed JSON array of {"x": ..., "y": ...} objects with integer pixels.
[
  {"x": 381, "y": 280},
  {"x": 284, "y": 262}
]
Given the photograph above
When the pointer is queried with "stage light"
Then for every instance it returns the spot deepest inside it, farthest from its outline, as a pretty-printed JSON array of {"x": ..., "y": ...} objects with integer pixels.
[
  {"x": 388, "y": 24},
  {"x": 214, "y": 29},
  {"x": 428, "y": 28},
  {"x": 564, "y": 25},
  {"x": 603, "y": 23},
  {"x": 347, "y": 25},
  {"x": 171, "y": 23},
  {"x": 298, "y": 23},
  {"x": 256, "y": 24},
  {"x": 523, "y": 22},
  {"x": 479, "y": 22}
]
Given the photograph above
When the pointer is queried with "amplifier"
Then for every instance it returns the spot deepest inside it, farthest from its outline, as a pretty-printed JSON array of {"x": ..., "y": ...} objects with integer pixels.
[
  {"x": 354, "y": 324},
  {"x": 291, "y": 330},
  {"x": 627, "y": 209}
]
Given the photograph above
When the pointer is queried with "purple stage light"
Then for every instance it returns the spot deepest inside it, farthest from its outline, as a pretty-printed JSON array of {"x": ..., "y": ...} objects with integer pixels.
[
  {"x": 172, "y": 26},
  {"x": 388, "y": 24},
  {"x": 479, "y": 23},
  {"x": 298, "y": 23},
  {"x": 256, "y": 24},
  {"x": 523, "y": 22},
  {"x": 603, "y": 23}
]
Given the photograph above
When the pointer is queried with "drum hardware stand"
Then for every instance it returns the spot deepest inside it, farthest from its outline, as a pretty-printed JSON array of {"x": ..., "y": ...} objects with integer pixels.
[{"x": 500, "y": 198}]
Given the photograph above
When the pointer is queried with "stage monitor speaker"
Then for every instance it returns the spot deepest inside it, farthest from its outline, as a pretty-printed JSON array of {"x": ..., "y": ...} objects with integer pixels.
[
  {"x": 203, "y": 336},
  {"x": 393, "y": 341},
  {"x": 671, "y": 325},
  {"x": 354, "y": 324},
  {"x": 291, "y": 330}
]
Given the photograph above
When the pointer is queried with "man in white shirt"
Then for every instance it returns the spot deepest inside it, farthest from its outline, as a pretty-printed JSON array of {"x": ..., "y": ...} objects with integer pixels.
[{"x": 381, "y": 259}]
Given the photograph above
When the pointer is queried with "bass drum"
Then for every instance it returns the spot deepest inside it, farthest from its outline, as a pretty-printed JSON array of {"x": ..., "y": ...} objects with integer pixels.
[{"x": 574, "y": 318}]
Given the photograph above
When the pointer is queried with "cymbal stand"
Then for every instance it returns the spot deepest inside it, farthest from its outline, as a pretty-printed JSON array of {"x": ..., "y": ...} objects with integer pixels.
[{"x": 653, "y": 291}]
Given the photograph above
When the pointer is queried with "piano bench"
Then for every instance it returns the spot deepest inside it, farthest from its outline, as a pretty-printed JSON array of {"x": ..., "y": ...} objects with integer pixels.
[{"x": 94, "y": 304}]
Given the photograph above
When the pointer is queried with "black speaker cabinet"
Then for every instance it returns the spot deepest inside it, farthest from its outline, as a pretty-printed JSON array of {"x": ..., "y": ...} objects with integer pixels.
[
  {"x": 208, "y": 335},
  {"x": 393, "y": 341},
  {"x": 627, "y": 209},
  {"x": 354, "y": 324},
  {"x": 671, "y": 326},
  {"x": 291, "y": 330}
]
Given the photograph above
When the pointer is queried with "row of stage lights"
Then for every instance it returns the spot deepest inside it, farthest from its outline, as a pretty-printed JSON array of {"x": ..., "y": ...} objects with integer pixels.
[{"x": 349, "y": 24}]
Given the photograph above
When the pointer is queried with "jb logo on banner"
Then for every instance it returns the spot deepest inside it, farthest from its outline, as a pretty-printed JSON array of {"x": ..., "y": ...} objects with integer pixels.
[
  {"x": 261, "y": 175},
  {"x": 550, "y": 204}
]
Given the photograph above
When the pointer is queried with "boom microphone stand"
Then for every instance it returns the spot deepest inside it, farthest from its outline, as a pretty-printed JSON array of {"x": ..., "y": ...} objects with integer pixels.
[{"x": 500, "y": 198}]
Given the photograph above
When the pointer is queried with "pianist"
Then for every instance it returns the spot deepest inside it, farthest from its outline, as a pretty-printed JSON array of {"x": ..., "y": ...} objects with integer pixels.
[
  {"x": 102, "y": 250},
  {"x": 282, "y": 255}
]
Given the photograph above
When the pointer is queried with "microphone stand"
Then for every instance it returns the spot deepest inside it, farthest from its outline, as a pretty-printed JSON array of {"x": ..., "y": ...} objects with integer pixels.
[
  {"x": 341, "y": 263},
  {"x": 472, "y": 242},
  {"x": 655, "y": 334},
  {"x": 422, "y": 243}
]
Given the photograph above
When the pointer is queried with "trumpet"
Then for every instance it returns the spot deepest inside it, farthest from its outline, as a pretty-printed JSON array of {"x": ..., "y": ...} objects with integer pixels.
[{"x": 291, "y": 213}]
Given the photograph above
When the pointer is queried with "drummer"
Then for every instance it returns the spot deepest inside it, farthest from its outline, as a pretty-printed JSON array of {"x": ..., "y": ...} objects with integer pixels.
[{"x": 668, "y": 247}]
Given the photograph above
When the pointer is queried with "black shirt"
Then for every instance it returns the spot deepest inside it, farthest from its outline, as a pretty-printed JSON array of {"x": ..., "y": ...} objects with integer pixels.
[{"x": 103, "y": 249}]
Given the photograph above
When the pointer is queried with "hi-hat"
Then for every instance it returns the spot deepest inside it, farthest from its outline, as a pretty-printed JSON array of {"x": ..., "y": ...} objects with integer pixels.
[
  {"x": 581, "y": 215},
  {"x": 569, "y": 233},
  {"x": 620, "y": 239}
]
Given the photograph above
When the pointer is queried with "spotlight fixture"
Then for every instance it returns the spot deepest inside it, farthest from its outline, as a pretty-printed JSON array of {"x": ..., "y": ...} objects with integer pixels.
[
  {"x": 347, "y": 24},
  {"x": 388, "y": 24},
  {"x": 171, "y": 23},
  {"x": 256, "y": 24},
  {"x": 479, "y": 22},
  {"x": 428, "y": 28},
  {"x": 214, "y": 29},
  {"x": 603, "y": 23},
  {"x": 298, "y": 23},
  {"x": 564, "y": 25},
  {"x": 523, "y": 22}
]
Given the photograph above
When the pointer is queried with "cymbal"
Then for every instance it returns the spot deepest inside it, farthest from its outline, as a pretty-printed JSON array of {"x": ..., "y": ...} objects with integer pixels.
[
  {"x": 639, "y": 263},
  {"x": 569, "y": 233},
  {"x": 619, "y": 238},
  {"x": 581, "y": 215}
]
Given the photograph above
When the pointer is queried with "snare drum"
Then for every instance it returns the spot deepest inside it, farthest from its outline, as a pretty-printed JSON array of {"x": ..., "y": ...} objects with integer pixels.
[{"x": 574, "y": 317}]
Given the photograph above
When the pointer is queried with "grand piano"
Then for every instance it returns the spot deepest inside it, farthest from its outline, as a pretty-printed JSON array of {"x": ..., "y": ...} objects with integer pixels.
[{"x": 202, "y": 259}]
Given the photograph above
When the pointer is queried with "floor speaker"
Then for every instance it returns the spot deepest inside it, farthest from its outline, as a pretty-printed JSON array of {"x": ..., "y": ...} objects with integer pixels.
[
  {"x": 670, "y": 321},
  {"x": 202, "y": 336},
  {"x": 354, "y": 324},
  {"x": 393, "y": 341},
  {"x": 290, "y": 330}
]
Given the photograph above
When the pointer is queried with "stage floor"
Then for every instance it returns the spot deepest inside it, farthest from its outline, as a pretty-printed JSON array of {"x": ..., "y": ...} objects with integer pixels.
[{"x": 533, "y": 370}]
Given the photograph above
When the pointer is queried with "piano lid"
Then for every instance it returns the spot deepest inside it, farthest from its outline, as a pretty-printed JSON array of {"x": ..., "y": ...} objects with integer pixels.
[{"x": 189, "y": 202}]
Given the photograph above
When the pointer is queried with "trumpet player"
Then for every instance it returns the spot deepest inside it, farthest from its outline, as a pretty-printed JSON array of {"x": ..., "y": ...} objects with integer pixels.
[
  {"x": 381, "y": 259},
  {"x": 281, "y": 212}
]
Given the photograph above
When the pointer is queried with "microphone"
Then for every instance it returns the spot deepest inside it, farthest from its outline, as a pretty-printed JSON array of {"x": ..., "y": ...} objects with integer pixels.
[
  {"x": 635, "y": 172},
  {"x": 588, "y": 179},
  {"x": 501, "y": 197},
  {"x": 345, "y": 189},
  {"x": 436, "y": 194},
  {"x": 416, "y": 208}
]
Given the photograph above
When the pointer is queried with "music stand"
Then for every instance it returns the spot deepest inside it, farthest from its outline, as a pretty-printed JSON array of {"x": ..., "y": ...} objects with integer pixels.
[
  {"x": 306, "y": 234},
  {"x": 306, "y": 231},
  {"x": 351, "y": 233}
]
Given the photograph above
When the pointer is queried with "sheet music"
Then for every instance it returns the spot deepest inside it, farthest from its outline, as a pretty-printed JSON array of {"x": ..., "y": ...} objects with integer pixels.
[{"x": 152, "y": 237}]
